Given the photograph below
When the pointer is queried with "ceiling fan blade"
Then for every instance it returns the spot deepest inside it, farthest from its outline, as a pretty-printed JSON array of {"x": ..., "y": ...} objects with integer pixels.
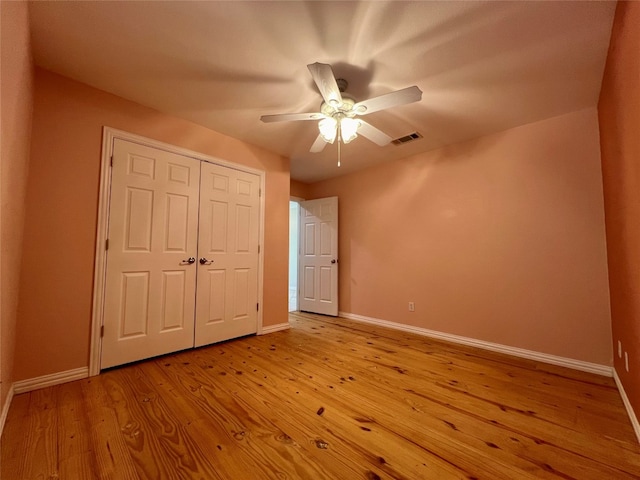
[
  {"x": 289, "y": 117},
  {"x": 388, "y": 100},
  {"x": 318, "y": 145},
  {"x": 372, "y": 133},
  {"x": 326, "y": 82}
]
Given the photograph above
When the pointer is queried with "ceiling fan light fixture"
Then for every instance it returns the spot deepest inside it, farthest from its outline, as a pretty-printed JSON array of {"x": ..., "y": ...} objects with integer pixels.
[
  {"x": 328, "y": 128},
  {"x": 337, "y": 110},
  {"x": 349, "y": 129}
]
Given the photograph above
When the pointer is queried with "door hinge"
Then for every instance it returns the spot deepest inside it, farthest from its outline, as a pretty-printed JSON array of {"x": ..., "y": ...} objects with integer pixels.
[
  {"x": 258, "y": 248},
  {"x": 112, "y": 160},
  {"x": 259, "y": 192},
  {"x": 102, "y": 331},
  {"x": 106, "y": 244},
  {"x": 257, "y": 307}
]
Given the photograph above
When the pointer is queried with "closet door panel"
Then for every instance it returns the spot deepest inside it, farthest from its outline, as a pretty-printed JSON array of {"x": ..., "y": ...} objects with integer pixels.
[
  {"x": 228, "y": 252},
  {"x": 153, "y": 225}
]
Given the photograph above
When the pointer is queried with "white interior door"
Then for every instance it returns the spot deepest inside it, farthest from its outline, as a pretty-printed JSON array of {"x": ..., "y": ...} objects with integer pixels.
[
  {"x": 150, "y": 283},
  {"x": 318, "y": 279},
  {"x": 227, "y": 297}
]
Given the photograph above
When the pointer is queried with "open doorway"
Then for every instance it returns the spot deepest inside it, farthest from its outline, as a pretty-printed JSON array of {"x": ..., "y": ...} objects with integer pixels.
[
  {"x": 294, "y": 232},
  {"x": 313, "y": 255}
]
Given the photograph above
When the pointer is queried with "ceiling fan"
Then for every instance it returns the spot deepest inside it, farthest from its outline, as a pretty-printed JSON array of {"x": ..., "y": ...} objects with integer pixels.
[{"x": 338, "y": 115}]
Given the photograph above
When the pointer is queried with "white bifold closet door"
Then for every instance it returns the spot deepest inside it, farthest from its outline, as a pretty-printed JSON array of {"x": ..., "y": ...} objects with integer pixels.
[
  {"x": 227, "y": 301},
  {"x": 182, "y": 262}
]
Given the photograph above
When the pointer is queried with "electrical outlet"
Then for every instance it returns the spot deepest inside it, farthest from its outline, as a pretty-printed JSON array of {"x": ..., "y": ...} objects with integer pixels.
[
  {"x": 626, "y": 361},
  {"x": 412, "y": 307},
  {"x": 619, "y": 349}
]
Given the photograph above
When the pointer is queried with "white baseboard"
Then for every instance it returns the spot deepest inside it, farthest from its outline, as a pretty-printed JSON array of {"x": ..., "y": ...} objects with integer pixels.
[
  {"x": 31, "y": 384},
  {"x": 627, "y": 405},
  {"x": 494, "y": 347},
  {"x": 275, "y": 328},
  {"x": 5, "y": 408}
]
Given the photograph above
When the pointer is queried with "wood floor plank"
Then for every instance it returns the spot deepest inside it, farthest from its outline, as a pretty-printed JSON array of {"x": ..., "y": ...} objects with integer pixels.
[
  {"x": 370, "y": 417},
  {"x": 327, "y": 399},
  {"x": 300, "y": 420},
  {"x": 219, "y": 432},
  {"x": 76, "y": 459},
  {"x": 515, "y": 417},
  {"x": 41, "y": 460},
  {"x": 227, "y": 435},
  {"x": 158, "y": 448},
  {"x": 14, "y": 444},
  {"x": 467, "y": 359},
  {"x": 247, "y": 424},
  {"x": 164, "y": 422},
  {"x": 112, "y": 458},
  {"x": 482, "y": 442}
]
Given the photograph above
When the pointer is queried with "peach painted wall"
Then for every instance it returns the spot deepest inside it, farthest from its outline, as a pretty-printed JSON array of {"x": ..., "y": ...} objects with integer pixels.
[
  {"x": 57, "y": 271},
  {"x": 500, "y": 239},
  {"x": 17, "y": 102},
  {"x": 619, "y": 110},
  {"x": 298, "y": 189}
]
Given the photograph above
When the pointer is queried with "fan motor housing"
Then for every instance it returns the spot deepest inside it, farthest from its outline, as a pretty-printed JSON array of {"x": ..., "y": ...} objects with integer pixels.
[{"x": 346, "y": 107}]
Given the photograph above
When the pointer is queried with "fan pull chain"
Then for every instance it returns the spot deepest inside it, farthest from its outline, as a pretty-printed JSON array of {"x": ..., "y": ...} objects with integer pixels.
[{"x": 339, "y": 142}]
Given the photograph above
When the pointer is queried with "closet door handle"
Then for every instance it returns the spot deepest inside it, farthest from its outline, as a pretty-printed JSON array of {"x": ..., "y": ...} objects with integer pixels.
[
  {"x": 189, "y": 260},
  {"x": 204, "y": 261}
]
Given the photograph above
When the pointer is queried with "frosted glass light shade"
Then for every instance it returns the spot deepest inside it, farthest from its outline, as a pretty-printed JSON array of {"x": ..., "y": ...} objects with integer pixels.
[
  {"x": 349, "y": 129},
  {"x": 328, "y": 129}
]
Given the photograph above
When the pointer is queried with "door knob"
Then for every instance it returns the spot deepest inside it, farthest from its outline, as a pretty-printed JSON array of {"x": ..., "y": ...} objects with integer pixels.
[
  {"x": 334, "y": 261},
  {"x": 204, "y": 261},
  {"x": 189, "y": 260}
]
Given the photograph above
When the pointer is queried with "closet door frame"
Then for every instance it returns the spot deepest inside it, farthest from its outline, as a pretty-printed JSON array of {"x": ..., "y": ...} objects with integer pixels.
[{"x": 108, "y": 136}]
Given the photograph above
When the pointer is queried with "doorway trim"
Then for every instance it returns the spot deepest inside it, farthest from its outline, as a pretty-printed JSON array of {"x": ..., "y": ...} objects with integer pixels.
[
  {"x": 296, "y": 254},
  {"x": 97, "y": 307}
]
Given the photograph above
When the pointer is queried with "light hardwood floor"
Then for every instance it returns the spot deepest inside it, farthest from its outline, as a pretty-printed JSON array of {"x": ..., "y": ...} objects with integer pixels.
[{"x": 327, "y": 399}]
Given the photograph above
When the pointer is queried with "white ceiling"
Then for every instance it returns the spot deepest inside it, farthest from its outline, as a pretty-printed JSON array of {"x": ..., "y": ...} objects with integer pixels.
[{"x": 483, "y": 66}]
